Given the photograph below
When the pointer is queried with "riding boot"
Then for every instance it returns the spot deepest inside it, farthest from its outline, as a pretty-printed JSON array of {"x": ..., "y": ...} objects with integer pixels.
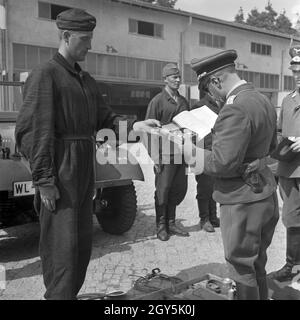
[
  {"x": 173, "y": 228},
  {"x": 161, "y": 222},
  {"x": 292, "y": 256},
  {"x": 214, "y": 220},
  {"x": 203, "y": 207},
  {"x": 244, "y": 292},
  {"x": 263, "y": 288}
]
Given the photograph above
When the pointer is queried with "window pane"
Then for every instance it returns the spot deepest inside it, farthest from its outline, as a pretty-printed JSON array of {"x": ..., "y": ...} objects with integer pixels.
[
  {"x": 132, "y": 26},
  {"x": 222, "y": 42},
  {"x": 158, "y": 30},
  {"x": 19, "y": 56},
  {"x": 131, "y": 68},
  {"x": 111, "y": 66},
  {"x": 157, "y": 70},
  {"x": 44, "y": 10},
  {"x": 91, "y": 63},
  {"x": 45, "y": 54},
  {"x": 141, "y": 69},
  {"x": 149, "y": 69},
  {"x": 216, "y": 41},
  {"x": 121, "y": 63},
  {"x": 32, "y": 57},
  {"x": 209, "y": 40},
  {"x": 202, "y": 38},
  {"x": 146, "y": 28}
]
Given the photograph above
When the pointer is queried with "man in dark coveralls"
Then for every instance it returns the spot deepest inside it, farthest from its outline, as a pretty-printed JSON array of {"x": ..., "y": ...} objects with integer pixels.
[
  {"x": 206, "y": 204},
  {"x": 170, "y": 177},
  {"x": 289, "y": 173},
  {"x": 61, "y": 112},
  {"x": 245, "y": 131}
]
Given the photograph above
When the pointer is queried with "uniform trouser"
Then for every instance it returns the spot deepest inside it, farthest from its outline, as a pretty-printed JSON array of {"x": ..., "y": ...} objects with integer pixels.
[
  {"x": 290, "y": 193},
  {"x": 206, "y": 204},
  {"x": 170, "y": 185},
  {"x": 247, "y": 231},
  {"x": 66, "y": 242}
]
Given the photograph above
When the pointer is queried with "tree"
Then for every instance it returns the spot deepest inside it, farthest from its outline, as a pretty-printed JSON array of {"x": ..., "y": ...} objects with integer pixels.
[
  {"x": 283, "y": 24},
  {"x": 268, "y": 19},
  {"x": 162, "y": 3},
  {"x": 239, "y": 17}
]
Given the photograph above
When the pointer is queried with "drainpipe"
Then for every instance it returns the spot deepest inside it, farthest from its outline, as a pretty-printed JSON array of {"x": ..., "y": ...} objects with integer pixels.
[
  {"x": 182, "y": 47},
  {"x": 281, "y": 87}
]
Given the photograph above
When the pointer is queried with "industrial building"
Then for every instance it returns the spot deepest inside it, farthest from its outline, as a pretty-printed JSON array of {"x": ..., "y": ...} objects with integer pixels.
[{"x": 132, "y": 42}]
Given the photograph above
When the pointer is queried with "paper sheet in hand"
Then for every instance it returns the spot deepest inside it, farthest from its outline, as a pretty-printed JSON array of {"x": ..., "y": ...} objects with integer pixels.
[{"x": 200, "y": 120}]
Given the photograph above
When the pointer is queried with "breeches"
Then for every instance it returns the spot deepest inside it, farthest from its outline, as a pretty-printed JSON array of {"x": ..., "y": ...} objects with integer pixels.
[
  {"x": 247, "y": 231},
  {"x": 170, "y": 184},
  {"x": 290, "y": 193}
]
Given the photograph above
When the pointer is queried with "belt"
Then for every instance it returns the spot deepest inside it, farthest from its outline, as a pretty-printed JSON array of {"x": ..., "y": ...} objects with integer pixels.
[{"x": 73, "y": 137}]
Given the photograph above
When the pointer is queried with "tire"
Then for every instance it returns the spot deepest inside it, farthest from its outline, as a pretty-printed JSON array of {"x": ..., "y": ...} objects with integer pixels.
[{"x": 119, "y": 213}]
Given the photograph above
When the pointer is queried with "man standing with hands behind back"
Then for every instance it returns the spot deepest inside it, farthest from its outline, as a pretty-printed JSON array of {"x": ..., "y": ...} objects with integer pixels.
[{"x": 61, "y": 113}]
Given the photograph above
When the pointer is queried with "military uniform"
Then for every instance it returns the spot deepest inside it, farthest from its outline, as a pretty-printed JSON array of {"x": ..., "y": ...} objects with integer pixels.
[
  {"x": 61, "y": 112},
  {"x": 289, "y": 175},
  {"x": 245, "y": 130},
  {"x": 170, "y": 175},
  {"x": 207, "y": 206}
]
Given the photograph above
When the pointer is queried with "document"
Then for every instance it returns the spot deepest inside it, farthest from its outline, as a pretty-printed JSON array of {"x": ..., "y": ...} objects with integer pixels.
[{"x": 200, "y": 121}]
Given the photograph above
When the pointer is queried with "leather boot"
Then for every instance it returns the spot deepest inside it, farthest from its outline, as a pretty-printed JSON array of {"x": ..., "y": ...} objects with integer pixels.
[
  {"x": 172, "y": 228},
  {"x": 206, "y": 225},
  {"x": 214, "y": 220},
  {"x": 203, "y": 207},
  {"x": 292, "y": 256},
  {"x": 244, "y": 292},
  {"x": 161, "y": 223},
  {"x": 263, "y": 288}
]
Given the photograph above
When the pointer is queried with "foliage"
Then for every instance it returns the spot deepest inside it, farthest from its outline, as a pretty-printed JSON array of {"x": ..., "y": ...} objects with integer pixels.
[
  {"x": 163, "y": 3},
  {"x": 268, "y": 19}
]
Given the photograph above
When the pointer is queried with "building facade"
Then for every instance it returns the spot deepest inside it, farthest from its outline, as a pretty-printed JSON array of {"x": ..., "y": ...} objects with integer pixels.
[{"x": 132, "y": 42}]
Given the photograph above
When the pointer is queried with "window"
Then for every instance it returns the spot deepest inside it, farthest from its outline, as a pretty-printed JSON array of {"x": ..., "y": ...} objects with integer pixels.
[
  {"x": 260, "y": 80},
  {"x": 50, "y": 11},
  {"x": 26, "y": 57},
  {"x": 211, "y": 40},
  {"x": 289, "y": 83},
  {"x": 259, "y": 48},
  {"x": 145, "y": 28}
]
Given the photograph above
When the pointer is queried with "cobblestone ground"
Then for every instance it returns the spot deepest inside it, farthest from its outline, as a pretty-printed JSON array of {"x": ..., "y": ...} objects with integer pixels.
[{"x": 117, "y": 261}]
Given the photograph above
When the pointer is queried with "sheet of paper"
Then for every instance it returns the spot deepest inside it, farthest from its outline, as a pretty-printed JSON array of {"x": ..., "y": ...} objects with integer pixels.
[{"x": 200, "y": 120}]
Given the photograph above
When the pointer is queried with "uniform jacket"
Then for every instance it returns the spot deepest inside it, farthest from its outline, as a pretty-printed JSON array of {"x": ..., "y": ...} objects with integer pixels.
[
  {"x": 289, "y": 125},
  {"x": 164, "y": 108},
  {"x": 61, "y": 101},
  {"x": 244, "y": 131}
]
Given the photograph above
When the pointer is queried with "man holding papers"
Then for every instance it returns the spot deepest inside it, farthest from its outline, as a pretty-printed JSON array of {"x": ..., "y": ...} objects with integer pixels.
[
  {"x": 245, "y": 131},
  {"x": 170, "y": 176}
]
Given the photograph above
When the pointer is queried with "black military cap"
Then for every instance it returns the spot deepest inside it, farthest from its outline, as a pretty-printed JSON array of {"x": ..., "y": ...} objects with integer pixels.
[
  {"x": 295, "y": 55},
  {"x": 75, "y": 20},
  {"x": 209, "y": 65}
]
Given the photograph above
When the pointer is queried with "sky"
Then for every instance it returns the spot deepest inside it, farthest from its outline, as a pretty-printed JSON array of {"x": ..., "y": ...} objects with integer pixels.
[{"x": 227, "y": 9}]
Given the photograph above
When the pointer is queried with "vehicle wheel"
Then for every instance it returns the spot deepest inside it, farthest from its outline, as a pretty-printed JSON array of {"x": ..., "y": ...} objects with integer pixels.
[{"x": 116, "y": 209}]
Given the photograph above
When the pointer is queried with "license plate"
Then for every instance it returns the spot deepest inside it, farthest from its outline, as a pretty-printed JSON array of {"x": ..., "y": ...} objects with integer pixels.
[{"x": 24, "y": 188}]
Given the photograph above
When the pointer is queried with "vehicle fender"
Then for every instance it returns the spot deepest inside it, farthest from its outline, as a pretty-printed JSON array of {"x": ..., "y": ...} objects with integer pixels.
[
  {"x": 12, "y": 171},
  {"x": 117, "y": 167}
]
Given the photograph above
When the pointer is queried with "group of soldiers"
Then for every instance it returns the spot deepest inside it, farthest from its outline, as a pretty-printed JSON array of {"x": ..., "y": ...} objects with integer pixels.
[
  {"x": 235, "y": 173},
  {"x": 63, "y": 109}
]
